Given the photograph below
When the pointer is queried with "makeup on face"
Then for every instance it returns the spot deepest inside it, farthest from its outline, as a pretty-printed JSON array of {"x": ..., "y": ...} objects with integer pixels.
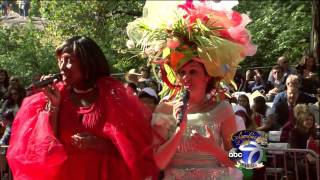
[
  {"x": 65, "y": 60},
  {"x": 308, "y": 122},
  {"x": 191, "y": 74}
]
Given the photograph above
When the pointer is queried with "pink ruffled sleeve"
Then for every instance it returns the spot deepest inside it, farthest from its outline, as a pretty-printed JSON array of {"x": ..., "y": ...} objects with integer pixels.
[
  {"x": 129, "y": 127},
  {"x": 34, "y": 152}
]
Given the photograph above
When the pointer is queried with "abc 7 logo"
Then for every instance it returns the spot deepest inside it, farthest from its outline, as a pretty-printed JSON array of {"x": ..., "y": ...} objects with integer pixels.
[
  {"x": 248, "y": 153},
  {"x": 235, "y": 154}
]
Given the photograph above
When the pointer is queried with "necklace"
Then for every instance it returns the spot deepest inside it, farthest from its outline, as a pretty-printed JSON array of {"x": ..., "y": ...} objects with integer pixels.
[
  {"x": 83, "y": 98},
  {"x": 79, "y": 91}
]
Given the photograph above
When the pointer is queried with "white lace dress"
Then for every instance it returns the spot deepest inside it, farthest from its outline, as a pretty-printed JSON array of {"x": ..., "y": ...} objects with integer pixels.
[{"x": 188, "y": 163}]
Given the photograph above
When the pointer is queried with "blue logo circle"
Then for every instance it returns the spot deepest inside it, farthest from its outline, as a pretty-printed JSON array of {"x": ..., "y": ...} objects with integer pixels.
[{"x": 251, "y": 152}]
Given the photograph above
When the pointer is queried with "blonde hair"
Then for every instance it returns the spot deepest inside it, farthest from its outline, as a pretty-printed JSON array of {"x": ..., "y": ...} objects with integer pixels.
[
  {"x": 301, "y": 113},
  {"x": 299, "y": 109}
]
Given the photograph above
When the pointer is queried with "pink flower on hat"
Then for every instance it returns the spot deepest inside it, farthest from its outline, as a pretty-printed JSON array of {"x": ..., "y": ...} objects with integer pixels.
[{"x": 173, "y": 43}]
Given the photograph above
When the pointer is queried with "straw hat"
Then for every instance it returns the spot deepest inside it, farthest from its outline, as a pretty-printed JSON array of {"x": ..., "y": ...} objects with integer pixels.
[{"x": 132, "y": 75}]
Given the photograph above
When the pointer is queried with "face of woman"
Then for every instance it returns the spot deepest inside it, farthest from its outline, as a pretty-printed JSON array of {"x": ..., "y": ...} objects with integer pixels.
[
  {"x": 193, "y": 77},
  {"x": 243, "y": 102},
  {"x": 14, "y": 82},
  {"x": 309, "y": 62},
  {"x": 69, "y": 66},
  {"x": 308, "y": 122},
  {"x": 14, "y": 95}
]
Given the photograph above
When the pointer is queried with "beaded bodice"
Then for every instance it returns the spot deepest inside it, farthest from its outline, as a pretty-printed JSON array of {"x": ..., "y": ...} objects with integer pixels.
[{"x": 187, "y": 155}]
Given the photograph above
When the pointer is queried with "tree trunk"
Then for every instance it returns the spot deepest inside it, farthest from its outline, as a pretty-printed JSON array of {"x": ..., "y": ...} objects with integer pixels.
[{"x": 315, "y": 49}]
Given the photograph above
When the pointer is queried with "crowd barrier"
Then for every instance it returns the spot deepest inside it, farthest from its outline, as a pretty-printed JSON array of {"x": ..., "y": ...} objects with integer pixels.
[{"x": 289, "y": 163}]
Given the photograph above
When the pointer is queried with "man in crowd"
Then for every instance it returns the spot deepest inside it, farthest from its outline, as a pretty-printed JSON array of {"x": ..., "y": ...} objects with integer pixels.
[{"x": 287, "y": 70}]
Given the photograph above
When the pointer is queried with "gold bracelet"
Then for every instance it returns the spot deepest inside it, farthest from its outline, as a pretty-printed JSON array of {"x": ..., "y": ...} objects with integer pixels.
[{"x": 51, "y": 108}]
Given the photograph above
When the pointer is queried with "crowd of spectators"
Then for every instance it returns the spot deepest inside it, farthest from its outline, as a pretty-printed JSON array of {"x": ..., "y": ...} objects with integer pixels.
[
  {"x": 286, "y": 103},
  {"x": 12, "y": 93}
]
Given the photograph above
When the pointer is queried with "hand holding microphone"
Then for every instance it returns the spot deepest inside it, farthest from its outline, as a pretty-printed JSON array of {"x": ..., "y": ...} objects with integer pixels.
[
  {"x": 181, "y": 107},
  {"x": 49, "y": 89}
]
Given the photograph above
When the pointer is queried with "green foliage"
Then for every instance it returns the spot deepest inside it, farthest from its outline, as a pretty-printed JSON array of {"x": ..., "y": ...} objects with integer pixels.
[
  {"x": 103, "y": 21},
  {"x": 34, "y": 8},
  {"x": 24, "y": 53},
  {"x": 278, "y": 28},
  {"x": 26, "y": 50}
]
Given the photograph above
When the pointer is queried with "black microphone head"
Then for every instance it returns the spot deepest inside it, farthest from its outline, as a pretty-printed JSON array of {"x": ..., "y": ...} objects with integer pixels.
[
  {"x": 43, "y": 83},
  {"x": 185, "y": 95}
]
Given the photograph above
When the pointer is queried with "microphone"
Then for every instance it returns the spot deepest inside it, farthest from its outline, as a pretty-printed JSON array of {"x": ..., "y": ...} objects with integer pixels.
[
  {"x": 185, "y": 98},
  {"x": 45, "y": 82}
]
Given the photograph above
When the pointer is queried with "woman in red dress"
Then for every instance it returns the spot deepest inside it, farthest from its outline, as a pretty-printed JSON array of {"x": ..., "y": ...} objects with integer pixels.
[{"x": 85, "y": 127}]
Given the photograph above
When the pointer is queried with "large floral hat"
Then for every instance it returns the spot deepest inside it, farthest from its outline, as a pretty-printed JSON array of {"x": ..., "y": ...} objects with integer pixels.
[{"x": 171, "y": 33}]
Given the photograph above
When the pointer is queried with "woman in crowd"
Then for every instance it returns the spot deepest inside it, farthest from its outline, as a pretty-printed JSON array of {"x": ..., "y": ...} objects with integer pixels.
[
  {"x": 9, "y": 109},
  {"x": 193, "y": 137},
  {"x": 307, "y": 70},
  {"x": 304, "y": 127},
  {"x": 81, "y": 128},
  {"x": 261, "y": 112},
  {"x": 301, "y": 137},
  {"x": 4, "y": 82},
  {"x": 16, "y": 83},
  {"x": 243, "y": 101}
]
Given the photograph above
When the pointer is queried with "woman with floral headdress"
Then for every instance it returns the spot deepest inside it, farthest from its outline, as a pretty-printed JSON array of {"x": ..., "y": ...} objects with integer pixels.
[{"x": 195, "y": 46}]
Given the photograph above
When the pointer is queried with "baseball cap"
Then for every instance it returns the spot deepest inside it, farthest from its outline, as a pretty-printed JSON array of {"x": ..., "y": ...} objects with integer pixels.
[{"x": 148, "y": 91}]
